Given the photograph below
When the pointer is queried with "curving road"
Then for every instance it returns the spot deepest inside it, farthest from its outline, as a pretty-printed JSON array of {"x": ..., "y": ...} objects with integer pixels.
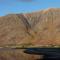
[{"x": 48, "y": 53}]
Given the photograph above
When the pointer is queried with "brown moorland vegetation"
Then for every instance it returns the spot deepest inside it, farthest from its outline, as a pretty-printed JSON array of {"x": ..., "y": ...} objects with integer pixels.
[{"x": 37, "y": 28}]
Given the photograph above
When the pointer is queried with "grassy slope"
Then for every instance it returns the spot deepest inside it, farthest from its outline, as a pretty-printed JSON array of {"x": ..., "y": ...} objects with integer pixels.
[{"x": 38, "y": 28}]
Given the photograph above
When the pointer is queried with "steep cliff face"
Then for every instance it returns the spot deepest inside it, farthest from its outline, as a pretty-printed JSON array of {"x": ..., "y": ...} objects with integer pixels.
[{"x": 37, "y": 28}]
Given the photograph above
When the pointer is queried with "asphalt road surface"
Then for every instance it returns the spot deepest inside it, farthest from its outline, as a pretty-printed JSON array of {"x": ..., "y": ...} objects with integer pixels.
[{"x": 48, "y": 53}]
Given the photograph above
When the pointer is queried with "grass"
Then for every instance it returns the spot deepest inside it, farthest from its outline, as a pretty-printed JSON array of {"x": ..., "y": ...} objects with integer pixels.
[{"x": 30, "y": 45}]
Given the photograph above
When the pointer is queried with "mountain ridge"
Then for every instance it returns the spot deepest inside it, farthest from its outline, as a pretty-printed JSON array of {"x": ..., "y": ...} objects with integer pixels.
[{"x": 38, "y": 28}]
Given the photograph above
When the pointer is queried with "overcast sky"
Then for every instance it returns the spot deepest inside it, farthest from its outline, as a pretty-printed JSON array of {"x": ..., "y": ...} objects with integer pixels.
[{"x": 25, "y": 6}]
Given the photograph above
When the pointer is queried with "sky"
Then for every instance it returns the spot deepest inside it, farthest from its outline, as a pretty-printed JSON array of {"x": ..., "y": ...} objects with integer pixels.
[{"x": 26, "y": 6}]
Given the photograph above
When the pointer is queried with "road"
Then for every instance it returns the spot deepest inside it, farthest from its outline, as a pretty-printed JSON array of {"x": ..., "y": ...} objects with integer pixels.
[{"x": 48, "y": 53}]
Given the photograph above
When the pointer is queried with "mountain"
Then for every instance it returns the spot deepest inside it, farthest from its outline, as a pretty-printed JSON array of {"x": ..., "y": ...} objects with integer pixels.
[{"x": 37, "y": 28}]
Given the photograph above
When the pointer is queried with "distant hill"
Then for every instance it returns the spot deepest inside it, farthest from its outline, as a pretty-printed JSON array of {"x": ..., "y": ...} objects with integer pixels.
[{"x": 38, "y": 28}]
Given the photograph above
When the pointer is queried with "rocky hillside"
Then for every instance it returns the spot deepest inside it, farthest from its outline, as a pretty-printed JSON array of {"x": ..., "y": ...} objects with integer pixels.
[{"x": 38, "y": 28}]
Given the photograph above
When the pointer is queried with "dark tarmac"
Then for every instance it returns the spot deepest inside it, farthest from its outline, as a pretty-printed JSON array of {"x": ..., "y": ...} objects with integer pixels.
[{"x": 48, "y": 53}]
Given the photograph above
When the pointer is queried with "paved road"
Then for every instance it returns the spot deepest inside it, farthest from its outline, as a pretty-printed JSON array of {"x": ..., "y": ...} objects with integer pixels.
[
  {"x": 42, "y": 50},
  {"x": 48, "y": 53}
]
